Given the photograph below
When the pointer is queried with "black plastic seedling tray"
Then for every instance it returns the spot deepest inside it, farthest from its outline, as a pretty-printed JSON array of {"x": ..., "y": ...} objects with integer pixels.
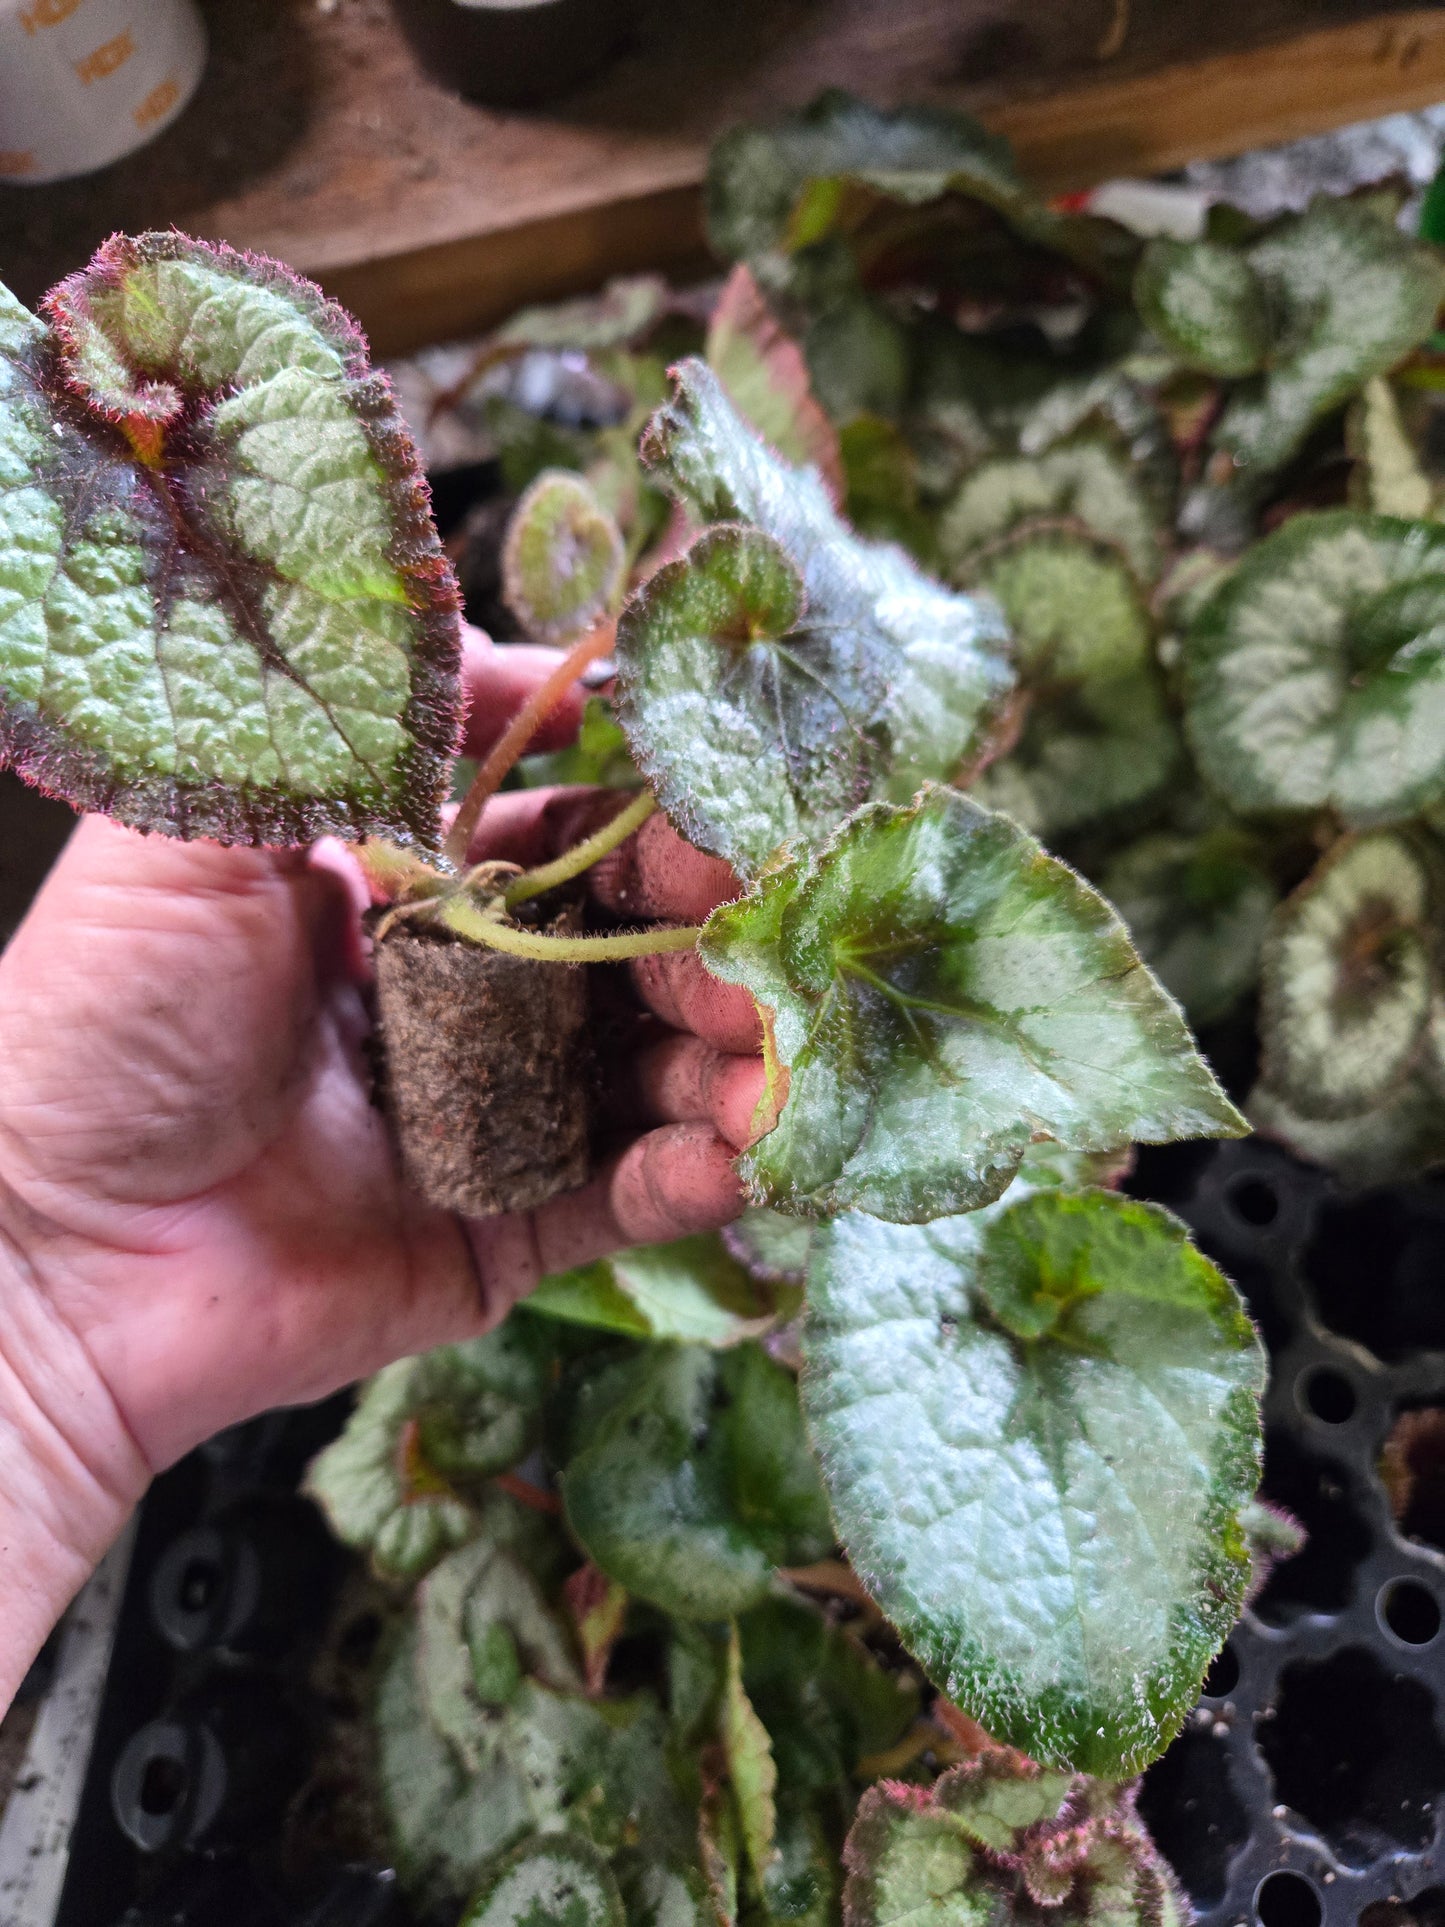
[{"x": 1308, "y": 1789}]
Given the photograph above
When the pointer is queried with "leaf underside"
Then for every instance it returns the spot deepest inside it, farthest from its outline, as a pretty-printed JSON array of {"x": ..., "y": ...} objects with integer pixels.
[
  {"x": 939, "y": 993},
  {"x": 224, "y": 610},
  {"x": 1072, "y": 1389}
]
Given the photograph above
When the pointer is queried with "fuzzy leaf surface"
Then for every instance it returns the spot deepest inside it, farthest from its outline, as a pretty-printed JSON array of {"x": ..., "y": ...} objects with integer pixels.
[
  {"x": 555, "y": 1880},
  {"x": 1348, "y": 979},
  {"x": 693, "y": 1289},
  {"x": 1316, "y": 674},
  {"x": 1082, "y": 1387},
  {"x": 224, "y": 610},
  {"x": 996, "y": 1842},
  {"x": 1319, "y": 303},
  {"x": 940, "y": 992},
  {"x": 785, "y": 670},
  {"x": 694, "y": 1480}
]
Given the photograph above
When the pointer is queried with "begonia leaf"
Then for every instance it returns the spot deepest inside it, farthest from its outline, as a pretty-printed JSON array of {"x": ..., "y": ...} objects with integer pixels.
[
  {"x": 1082, "y": 1387},
  {"x": 1085, "y": 483},
  {"x": 1316, "y": 674},
  {"x": 626, "y": 310},
  {"x": 482, "y": 1626},
  {"x": 224, "y": 610},
  {"x": 1205, "y": 300},
  {"x": 750, "y": 1763},
  {"x": 1397, "y": 1139},
  {"x": 998, "y": 1843},
  {"x": 773, "y": 1245},
  {"x": 1197, "y": 908},
  {"x": 693, "y": 1289},
  {"x": 763, "y": 370},
  {"x": 1318, "y": 303},
  {"x": 1096, "y": 733},
  {"x": 1389, "y": 478},
  {"x": 939, "y": 992},
  {"x": 694, "y": 1481},
  {"x": 1348, "y": 978},
  {"x": 599, "y": 755},
  {"x": 400, "y": 1481},
  {"x": 543, "y": 1761},
  {"x": 789, "y": 186},
  {"x": 554, "y": 1880},
  {"x": 563, "y": 558},
  {"x": 826, "y": 1701},
  {"x": 781, "y": 672}
]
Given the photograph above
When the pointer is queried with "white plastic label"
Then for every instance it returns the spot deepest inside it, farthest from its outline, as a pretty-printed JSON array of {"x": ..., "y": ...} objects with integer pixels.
[{"x": 84, "y": 81}]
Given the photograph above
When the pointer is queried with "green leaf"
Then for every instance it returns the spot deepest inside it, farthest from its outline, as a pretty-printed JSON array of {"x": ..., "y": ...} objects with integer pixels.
[
  {"x": 543, "y": 1761},
  {"x": 763, "y": 371},
  {"x": 625, "y": 312},
  {"x": 1206, "y": 301},
  {"x": 482, "y": 1626},
  {"x": 599, "y": 755},
  {"x": 1348, "y": 979},
  {"x": 224, "y": 610},
  {"x": 693, "y": 1289},
  {"x": 994, "y": 1843},
  {"x": 941, "y": 992},
  {"x": 781, "y": 672},
  {"x": 1389, "y": 479},
  {"x": 400, "y": 1481},
  {"x": 824, "y": 1698},
  {"x": 562, "y": 561},
  {"x": 751, "y": 1767},
  {"x": 793, "y": 184},
  {"x": 1398, "y": 1139},
  {"x": 695, "y": 1480},
  {"x": 555, "y": 1880},
  {"x": 1085, "y": 484},
  {"x": 1096, "y": 734},
  {"x": 1081, "y": 1386},
  {"x": 1316, "y": 674},
  {"x": 1197, "y": 908},
  {"x": 771, "y": 1244},
  {"x": 1319, "y": 303}
]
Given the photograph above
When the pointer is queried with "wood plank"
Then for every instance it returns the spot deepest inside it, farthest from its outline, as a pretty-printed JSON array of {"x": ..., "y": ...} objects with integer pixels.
[{"x": 316, "y": 136}]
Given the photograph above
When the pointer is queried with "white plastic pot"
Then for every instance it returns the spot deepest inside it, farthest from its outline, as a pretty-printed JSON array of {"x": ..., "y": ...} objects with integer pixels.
[{"x": 84, "y": 81}]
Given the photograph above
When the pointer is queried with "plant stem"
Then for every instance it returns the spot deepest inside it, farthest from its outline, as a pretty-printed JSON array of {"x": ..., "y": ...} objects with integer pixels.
[
  {"x": 519, "y": 732},
  {"x": 489, "y": 930},
  {"x": 534, "y": 883}
]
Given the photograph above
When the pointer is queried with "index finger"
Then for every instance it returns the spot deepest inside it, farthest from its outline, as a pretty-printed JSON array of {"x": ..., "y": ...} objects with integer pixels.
[{"x": 498, "y": 678}]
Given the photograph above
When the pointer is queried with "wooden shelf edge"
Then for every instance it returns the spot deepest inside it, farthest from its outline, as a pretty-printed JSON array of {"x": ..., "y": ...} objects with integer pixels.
[{"x": 1067, "y": 139}]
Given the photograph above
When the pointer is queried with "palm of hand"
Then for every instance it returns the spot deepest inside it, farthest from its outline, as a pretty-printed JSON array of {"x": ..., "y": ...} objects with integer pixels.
[{"x": 204, "y": 1198}]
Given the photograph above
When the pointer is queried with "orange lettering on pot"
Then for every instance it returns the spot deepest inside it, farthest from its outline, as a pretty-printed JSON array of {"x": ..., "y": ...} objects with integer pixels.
[{"x": 106, "y": 59}]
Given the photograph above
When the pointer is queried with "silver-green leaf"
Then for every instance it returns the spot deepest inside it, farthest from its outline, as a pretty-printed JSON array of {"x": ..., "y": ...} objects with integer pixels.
[
  {"x": 785, "y": 669},
  {"x": 939, "y": 992},
  {"x": 1067, "y": 1391},
  {"x": 1316, "y": 673}
]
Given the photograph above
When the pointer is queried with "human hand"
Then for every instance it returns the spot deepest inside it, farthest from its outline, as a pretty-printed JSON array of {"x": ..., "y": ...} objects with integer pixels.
[{"x": 199, "y": 1200}]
